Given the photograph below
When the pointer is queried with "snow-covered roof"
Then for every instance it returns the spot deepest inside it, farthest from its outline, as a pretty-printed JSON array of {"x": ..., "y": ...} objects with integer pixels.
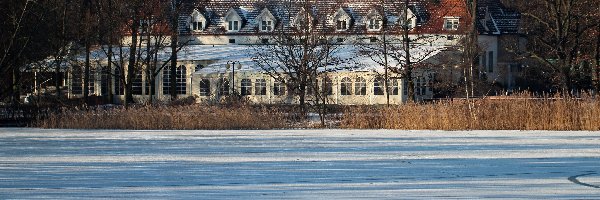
[{"x": 343, "y": 57}]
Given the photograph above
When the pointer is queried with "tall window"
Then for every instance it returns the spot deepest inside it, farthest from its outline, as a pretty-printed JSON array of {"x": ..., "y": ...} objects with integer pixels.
[
  {"x": 451, "y": 23},
  {"x": 119, "y": 84},
  {"x": 421, "y": 86},
  {"x": 267, "y": 25},
  {"x": 137, "y": 83},
  {"x": 205, "y": 87},
  {"x": 246, "y": 87},
  {"x": 404, "y": 86},
  {"x": 346, "y": 86},
  {"x": 261, "y": 87},
  {"x": 92, "y": 82},
  {"x": 181, "y": 80},
  {"x": 278, "y": 88},
  {"x": 360, "y": 86},
  {"x": 105, "y": 81},
  {"x": 378, "y": 86},
  {"x": 374, "y": 24},
  {"x": 341, "y": 25},
  {"x": 166, "y": 85},
  {"x": 76, "y": 81},
  {"x": 490, "y": 61},
  {"x": 393, "y": 87},
  {"x": 223, "y": 87},
  {"x": 327, "y": 86},
  {"x": 234, "y": 26}
]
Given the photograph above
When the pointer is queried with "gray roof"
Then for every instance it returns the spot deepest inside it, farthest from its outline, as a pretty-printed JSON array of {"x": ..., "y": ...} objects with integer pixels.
[{"x": 494, "y": 18}]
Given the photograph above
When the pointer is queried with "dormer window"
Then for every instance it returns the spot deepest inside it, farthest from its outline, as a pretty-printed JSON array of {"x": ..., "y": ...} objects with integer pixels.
[
  {"x": 197, "y": 21},
  {"x": 145, "y": 25},
  {"x": 303, "y": 20},
  {"x": 266, "y": 25},
  {"x": 374, "y": 24},
  {"x": 234, "y": 26},
  {"x": 341, "y": 25},
  {"x": 408, "y": 19},
  {"x": 451, "y": 23},
  {"x": 342, "y": 20},
  {"x": 265, "y": 20},
  {"x": 374, "y": 20},
  {"x": 233, "y": 21}
]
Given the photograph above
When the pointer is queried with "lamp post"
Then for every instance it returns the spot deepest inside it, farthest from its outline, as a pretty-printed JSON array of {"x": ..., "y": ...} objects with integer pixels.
[{"x": 232, "y": 66}]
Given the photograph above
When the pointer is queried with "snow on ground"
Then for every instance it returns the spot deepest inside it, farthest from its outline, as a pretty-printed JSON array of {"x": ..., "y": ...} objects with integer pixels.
[{"x": 298, "y": 164}]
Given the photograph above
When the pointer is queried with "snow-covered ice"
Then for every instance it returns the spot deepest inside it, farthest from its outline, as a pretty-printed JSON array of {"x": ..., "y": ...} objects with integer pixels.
[{"x": 298, "y": 164}]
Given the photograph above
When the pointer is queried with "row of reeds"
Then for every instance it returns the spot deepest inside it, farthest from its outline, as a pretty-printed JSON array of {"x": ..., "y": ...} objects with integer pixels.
[
  {"x": 185, "y": 117},
  {"x": 522, "y": 112},
  {"x": 514, "y": 113}
]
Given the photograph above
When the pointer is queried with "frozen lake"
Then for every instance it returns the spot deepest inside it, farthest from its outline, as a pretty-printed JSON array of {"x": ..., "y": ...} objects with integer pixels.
[{"x": 298, "y": 164}]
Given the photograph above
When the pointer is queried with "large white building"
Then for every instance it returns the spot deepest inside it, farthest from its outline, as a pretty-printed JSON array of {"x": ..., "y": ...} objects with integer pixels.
[{"x": 222, "y": 36}]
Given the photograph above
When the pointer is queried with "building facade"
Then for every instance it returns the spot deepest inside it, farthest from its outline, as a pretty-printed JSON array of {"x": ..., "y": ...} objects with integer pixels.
[{"x": 221, "y": 36}]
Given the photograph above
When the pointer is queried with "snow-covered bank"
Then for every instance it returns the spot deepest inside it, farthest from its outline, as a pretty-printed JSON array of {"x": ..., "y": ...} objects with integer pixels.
[{"x": 298, "y": 164}]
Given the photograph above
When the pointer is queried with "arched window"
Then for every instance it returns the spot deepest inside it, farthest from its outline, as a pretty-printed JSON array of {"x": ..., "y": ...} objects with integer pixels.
[
  {"x": 205, "y": 87},
  {"x": 360, "y": 86},
  {"x": 223, "y": 87},
  {"x": 346, "y": 86},
  {"x": 261, "y": 87},
  {"x": 278, "y": 88},
  {"x": 246, "y": 87},
  {"x": 378, "y": 86}
]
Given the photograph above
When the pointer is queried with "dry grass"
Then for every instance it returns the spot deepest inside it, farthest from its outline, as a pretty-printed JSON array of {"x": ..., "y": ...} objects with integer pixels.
[
  {"x": 516, "y": 113},
  {"x": 167, "y": 117}
]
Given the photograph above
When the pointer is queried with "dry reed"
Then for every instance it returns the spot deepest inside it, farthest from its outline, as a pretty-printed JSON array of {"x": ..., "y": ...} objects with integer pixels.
[
  {"x": 167, "y": 117},
  {"x": 515, "y": 113}
]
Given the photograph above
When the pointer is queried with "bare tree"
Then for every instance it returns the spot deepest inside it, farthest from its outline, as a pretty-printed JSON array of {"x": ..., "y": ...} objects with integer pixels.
[
  {"x": 402, "y": 45},
  {"x": 556, "y": 32},
  {"x": 297, "y": 51}
]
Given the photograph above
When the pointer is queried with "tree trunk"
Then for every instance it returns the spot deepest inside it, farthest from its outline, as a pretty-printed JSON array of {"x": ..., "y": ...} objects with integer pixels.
[
  {"x": 131, "y": 66},
  {"x": 174, "y": 41},
  {"x": 86, "y": 75},
  {"x": 408, "y": 68}
]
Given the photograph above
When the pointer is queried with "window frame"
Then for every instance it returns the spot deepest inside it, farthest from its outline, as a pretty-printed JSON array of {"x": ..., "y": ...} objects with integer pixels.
[
  {"x": 374, "y": 24},
  {"x": 278, "y": 88},
  {"x": 77, "y": 81},
  {"x": 451, "y": 23},
  {"x": 260, "y": 87},
  {"x": 246, "y": 87},
  {"x": 360, "y": 86},
  {"x": 224, "y": 87},
  {"x": 378, "y": 86},
  {"x": 204, "y": 89},
  {"x": 341, "y": 24},
  {"x": 346, "y": 86}
]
